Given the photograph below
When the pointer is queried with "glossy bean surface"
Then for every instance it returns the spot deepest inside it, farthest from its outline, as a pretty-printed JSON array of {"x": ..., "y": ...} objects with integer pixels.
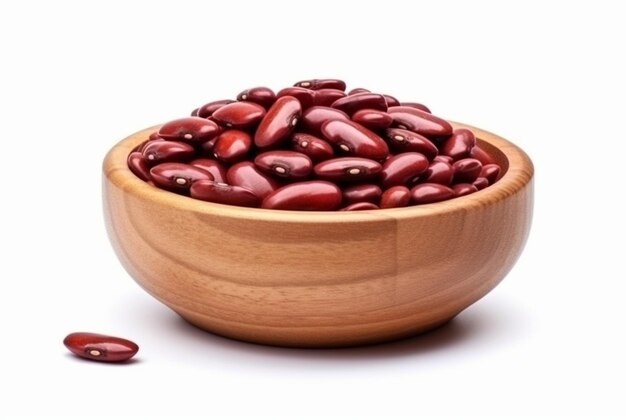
[
  {"x": 261, "y": 95},
  {"x": 402, "y": 140},
  {"x": 353, "y": 103},
  {"x": 372, "y": 119},
  {"x": 480, "y": 154},
  {"x": 463, "y": 189},
  {"x": 316, "y": 84},
  {"x": 459, "y": 144},
  {"x": 403, "y": 168},
  {"x": 347, "y": 169},
  {"x": 102, "y": 348},
  {"x": 354, "y": 139},
  {"x": 239, "y": 114},
  {"x": 248, "y": 176},
  {"x": 222, "y": 193},
  {"x": 157, "y": 151},
  {"x": 314, "y": 117},
  {"x": 207, "y": 110},
  {"x": 212, "y": 166},
  {"x": 430, "y": 193},
  {"x": 360, "y": 193},
  {"x": 279, "y": 122},
  {"x": 306, "y": 97},
  {"x": 438, "y": 172},
  {"x": 466, "y": 170},
  {"x": 481, "y": 183},
  {"x": 419, "y": 121},
  {"x": 491, "y": 171},
  {"x": 177, "y": 177},
  {"x": 307, "y": 195},
  {"x": 314, "y": 147},
  {"x": 137, "y": 164},
  {"x": 326, "y": 97},
  {"x": 365, "y": 205},
  {"x": 232, "y": 146},
  {"x": 284, "y": 164},
  {"x": 416, "y": 105},
  {"x": 190, "y": 130},
  {"x": 398, "y": 196}
]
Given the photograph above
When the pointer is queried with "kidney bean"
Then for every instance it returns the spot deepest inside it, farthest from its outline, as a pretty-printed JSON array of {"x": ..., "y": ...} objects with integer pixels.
[
  {"x": 207, "y": 110},
  {"x": 443, "y": 158},
  {"x": 391, "y": 100},
  {"x": 430, "y": 193},
  {"x": 416, "y": 105},
  {"x": 239, "y": 114},
  {"x": 463, "y": 189},
  {"x": 481, "y": 183},
  {"x": 480, "y": 154},
  {"x": 206, "y": 148},
  {"x": 466, "y": 170},
  {"x": 358, "y": 90},
  {"x": 353, "y": 103},
  {"x": 137, "y": 164},
  {"x": 158, "y": 151},
  {"x": 326, "y": 97},
  {"x": 314, "y": 117},
  {"x": 189, "y": 130},
  {"x": 177, "y": 177},
  {"x": 279, "y": 122},
  {"x": 221, "y": 193},
  {"x": 347, "y": 169},
  {"x": 402, "y": 168},
  {"x": 317, "y": 84},
  {"x": 491, "y": 171},
  {"x": 307, "y": 195},
  {"x": 398, "y": 196},
  {"x": 419, "y": 121},
  {"x": 155, "y": 136},
  {"x": 212, "y": 166},
  {"x": 285, "y": 164},
  {"x": 103, "y": 348},
  {"x": 232, "y": 146},
  {"x": 360, "y": 193},
  {"x": 372, "y": 119},
  {"x": 248, "y": 176},
  {"x": 355, "y": 139},
  {"x": 402, "y": 140},
  {"x": 459, "y": 144},
  {"x": 360, "y": 206},
  {"x": 438, "y": 172},
  {"x": 315, "y": 148},
  {"x": 194, "y": 113},
  {"x": 306, "y": 97},
  {"x": 261, "y": 95}
]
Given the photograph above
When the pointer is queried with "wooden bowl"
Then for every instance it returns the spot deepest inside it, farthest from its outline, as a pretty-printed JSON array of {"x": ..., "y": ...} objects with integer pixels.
[{"x": 318, "y": 279}]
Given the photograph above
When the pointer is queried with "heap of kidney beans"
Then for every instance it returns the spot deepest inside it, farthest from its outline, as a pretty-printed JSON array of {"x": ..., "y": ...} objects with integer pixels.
[{"x": 314, "y": 147}]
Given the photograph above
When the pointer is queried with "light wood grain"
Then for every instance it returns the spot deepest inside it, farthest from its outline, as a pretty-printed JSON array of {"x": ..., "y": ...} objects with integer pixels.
[{"x": 318, "y": 279}]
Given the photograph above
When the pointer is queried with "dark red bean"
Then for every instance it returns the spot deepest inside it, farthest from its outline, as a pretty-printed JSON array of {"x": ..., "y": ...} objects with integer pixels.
[
  {"x": 306, "y": 97},
  {"x": 189, "y": 130},
  {"x": 391, "y": 100},
  {"x": 326, "y": 97},
  {"x": 355, "y": 139},
  {"x": 360, "y": 206},
  {"x": 206, "y": 148},
  {"x": 207, "y": 110},
  {"x": 285, "y": 164},
  {"x": 459, "y": 144},
  {"x": 155, "y": 136},
  {"x": 358, "y": 90},
  {"x": 314, "y": 117},
  {"x": 463, "y": 189},
  {"x": 248, "y": 176},
  {"x": 315, "y": 148},
  {"x": 158, "y": 151},
  {"x": 402, "y": 168},
  {"x": 361, "y": 192},
  {"x": 137, "y": 164},
  {"x": 443, "y": 158},
  {"x": 232, "y": 146},
  {"x": 430, "y": 193},
  {"x": 480, "y": 154},
  {"x": 466, "y": 170},
  {"x": 279, "y": 122},
  {"x": 398, "y": 196},
  {"x": 347, "y": 169},
  {"x": 221, "y": 193},
  {"x": 419, "y": 121},
  {"x": 239, "y": 114},
  {"x": 307, "y": 195},
  {"x": 353, "y": 103},
  {"x": 402, "y": 140},
  {"x": 317, "y": 84},
  {"x": 177, "y": 177},
  {"x": 212, "y": 166},
  {"x": 416, "y": 105},
  {"x": 261, "y": 95},
  {"x": 372, "y": 119},
  {"x": 481, "y": 183},
  {"x": 194, "y": 113},
  {"x": 491, "y": 171},
  {"x": 438, "y": 173},
  {"x": 103, "y": 348}
]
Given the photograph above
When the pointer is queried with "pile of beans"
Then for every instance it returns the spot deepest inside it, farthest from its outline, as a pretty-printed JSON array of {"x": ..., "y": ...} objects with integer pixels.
[{"x": 314, "y": 147}]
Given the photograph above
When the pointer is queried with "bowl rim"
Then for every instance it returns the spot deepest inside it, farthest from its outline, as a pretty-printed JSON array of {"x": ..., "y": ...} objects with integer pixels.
[{"x": 519, "y": 173}]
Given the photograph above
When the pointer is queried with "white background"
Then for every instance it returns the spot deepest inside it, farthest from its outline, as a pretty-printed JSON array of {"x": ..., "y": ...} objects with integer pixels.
[{"x": 76, "y": 77}]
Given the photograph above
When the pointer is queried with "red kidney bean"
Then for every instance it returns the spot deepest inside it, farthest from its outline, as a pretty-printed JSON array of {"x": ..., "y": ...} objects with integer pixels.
[
  {"x": 155, "y": 136},
  {"x": 307, "y": 195},
  {"x": 137, "y": 164},
  {"x": 140, "y": 148},
  {"x": 177, "y": 177},
  {"x": 402, "y": 168},
  {"x": 239, "y": 114},
  {"x": 443, "y": 158},
  {"x": 212, "y": 166},
  {"x": 261, "y": 95},
  {"x": 206, "y": 148},
  {"x": 317, "y": 84},
  {"x": 416, "y": 105},
  {"x": 315, "y": 148},
  {"x": 232, "y": 146},
  {"x": 314, "y": 117},
  {"x": 391, "y": 100},
  {"x": 402, "y": 140},
  {"x": 306, "y": 97},
  {"x": 103, "y": 348},
  {"x": 248, "y": 176},
  {"x": 285, "y": 164},
  {"x": 481, "y": 183},
  {"x": 347, "y": 169},
  {"x": 360, "y": 206},
  {"x": 189, "y": 130},
  {"x": 430, "y": 193},
  {"x": 194, "y": 113},
  {"x": 355, "y": 139},
  {"x": 221, "y": 193},
  {"x": 491, "y": 171},
  {"x": 480, "y": 154},
  {"x": 459, "y": 144},
  {"x": 398, "y": 196},
  {"x": 360, "y": 193},
  {"x": 358, "y": 90},
  {"x": 326, "y": 97},
  {"x": 463, "y": 189},
  {"x": 279, "y": 122},
  {"x": 207, "y": 110},
  {"x": 158, "y": 151},
  {"x": 438, "y": 173},
  {"x": 466, "y": 170},
  {"x": 353, "y": 103},
  {"x": 372, "y": 119},
  {"x": 420, "y": 121}
]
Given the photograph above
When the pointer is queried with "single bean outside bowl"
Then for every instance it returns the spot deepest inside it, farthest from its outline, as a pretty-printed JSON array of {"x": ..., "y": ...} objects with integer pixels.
[{"x": 319, "y": 279}]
